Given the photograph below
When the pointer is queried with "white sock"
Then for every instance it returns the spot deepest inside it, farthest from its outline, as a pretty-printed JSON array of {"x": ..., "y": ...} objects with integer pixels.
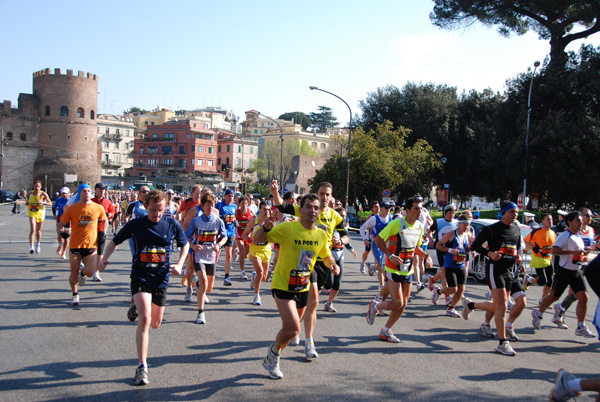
[
  {"x": 308, "y": 341},
  {"x": 580, "y": 324},
  {"x": 386, "y": 329},
  {"x": 508, "y": 324},
  {"x": 575, "y": 385},
  {"x": 145, "y": 365}
]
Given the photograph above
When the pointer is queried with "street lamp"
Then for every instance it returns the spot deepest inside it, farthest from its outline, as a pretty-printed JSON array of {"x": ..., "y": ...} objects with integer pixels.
[
  {"x": 281, "y": 152},
  {"x": 349, "y": 139},
  {"x": 535, "y": 66}
]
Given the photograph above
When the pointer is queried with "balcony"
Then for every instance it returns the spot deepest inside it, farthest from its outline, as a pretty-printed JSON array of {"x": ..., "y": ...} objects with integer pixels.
[
  {"x": 160, "y": 139},
  {"x": 112, "y": 137},
  {"x": 110, "y": 164}
]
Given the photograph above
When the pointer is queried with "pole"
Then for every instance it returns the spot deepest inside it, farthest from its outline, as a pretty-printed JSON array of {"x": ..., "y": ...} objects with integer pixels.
[
  {"x": 1, "y": 159},
  {"x": 349, "y": 141},
  {"x": 535, "y": 66},
  {"x": 281, "y": 152}
]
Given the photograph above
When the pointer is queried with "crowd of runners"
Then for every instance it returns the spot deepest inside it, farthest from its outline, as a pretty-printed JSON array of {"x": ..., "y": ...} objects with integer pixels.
[{"x": 297, "y": 244}]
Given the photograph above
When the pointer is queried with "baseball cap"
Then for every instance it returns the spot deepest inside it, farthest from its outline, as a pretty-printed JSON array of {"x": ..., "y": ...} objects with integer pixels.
[
  {"x": 288, "y": 195},
  {"x": 99, "y": 185},
  {"x": 387, "y": 204},
  {"x": 169, "y": 191},
  {"x": 529, "y": 214},
  {"x": 229, "y": 191},
  {"x": 450, "y": 207},
  {"x": 65, "y": 190},
  {"x": 561, "y": 212}
]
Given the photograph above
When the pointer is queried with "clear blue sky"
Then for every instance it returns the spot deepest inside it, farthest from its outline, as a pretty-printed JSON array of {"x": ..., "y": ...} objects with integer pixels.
[{"x": 244, "y": 55}]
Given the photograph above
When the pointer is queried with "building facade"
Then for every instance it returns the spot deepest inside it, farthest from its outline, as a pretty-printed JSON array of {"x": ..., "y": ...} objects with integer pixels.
[
  {"x": 116, "y": 134},
  {"x": 238, "y": 155}
]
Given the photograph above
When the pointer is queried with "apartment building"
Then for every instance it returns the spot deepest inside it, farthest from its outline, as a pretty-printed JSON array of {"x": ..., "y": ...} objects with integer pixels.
[{"x": 116, "y": 134}]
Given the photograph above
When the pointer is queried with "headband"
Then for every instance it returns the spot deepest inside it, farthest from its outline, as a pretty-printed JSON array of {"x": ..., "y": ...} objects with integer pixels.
[
  {"x": 467, "y": 221},
  {"x": 79, "y": 189},
  {"x": 509, "y": 206}
]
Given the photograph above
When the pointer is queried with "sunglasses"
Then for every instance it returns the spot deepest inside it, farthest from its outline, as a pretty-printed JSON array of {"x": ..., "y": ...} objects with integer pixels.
[
  {"x": 587, "y": 215},
  {"x": 144, "y": 191}
]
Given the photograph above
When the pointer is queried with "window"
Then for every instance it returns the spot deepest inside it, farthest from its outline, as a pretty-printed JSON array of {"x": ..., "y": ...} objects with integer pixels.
[
  {"x": 23, "y": 137},
  {"x": 152, "y": 150},
  {"x": 210, "y": 163},
  {"x": 106, "y": 144},
  {"x": 153, "y": 162},
  {"x": 80, "y": 113},
  {"x": 197, "y": 136},
  {"x": 107, "y": 130},
  {"x": 169, "y": 135},
  {"x": 188, "y": 135},
  {"x": 218, "y": 161},
  {"x": 261, "y": 131},
  {"x": 208, "y": 137},
  {"x": 118, "y": 131},
  {"x": 127, "y": 133},
  {"x": 211, "y": 150},
  {"x": 219, "y": 149},
  {"x": 116, "y": 145},
  {"x": 142, "y": 150},
  {"x": 262, "y": 124},
  {"x": 154, "y": 135},
  {"x": 47, "y": 110},
  {"x": 192, "y": 162},
  {"x": 323, "y": 145},
  {"x": 200, "y": 162},
  {"x": 200, "y": 148},
  {"x": 255, "y": 131},
  {"x": 64, "y": 111},
  {"x": 92, "y": 115},
  {"x": 181, "y": 149},
  {"x": 167, "y": 149},
  {"x": 239, "y": 148},
  {"x": 9, "y": 136},
  {"x": 227, "y": 162},
  {"x": 168, "y": 162},
  {"x": 251, "y": 150},
  {"x": 206, "y": 126},
  {"x": 192, "y": 148}
]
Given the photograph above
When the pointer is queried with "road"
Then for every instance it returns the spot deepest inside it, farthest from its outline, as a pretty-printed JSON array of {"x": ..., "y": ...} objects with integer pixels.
[{"x": 53, "y": 351}]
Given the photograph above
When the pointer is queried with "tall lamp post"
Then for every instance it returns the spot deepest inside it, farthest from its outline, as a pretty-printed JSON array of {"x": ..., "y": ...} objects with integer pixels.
[
  {"x": 535, "y": 66},
  {"x": 281, "y": 151},
  {"x": 349, "y": 139}
]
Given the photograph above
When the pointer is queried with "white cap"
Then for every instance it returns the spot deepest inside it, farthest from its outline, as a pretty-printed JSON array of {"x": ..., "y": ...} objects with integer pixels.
[
  {"x": 65, "y": 190},
  {"x": 529, "y": 214},
  {"x": 561, "y": 212}
]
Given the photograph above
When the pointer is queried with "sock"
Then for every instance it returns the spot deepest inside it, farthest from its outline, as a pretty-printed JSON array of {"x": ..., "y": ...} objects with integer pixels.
[
  {"x": 385, "y": 329},
  {"x": 144, "y": 365},
  {"x": 226, "y": 275},
  {"x": 200, "y": 311},
  {"x": 75, "y": 293},
  {"x": 471, "y": 306},
  {"x": 439, "y": 292},
  {"x": 274, "y": 350},
  {"x": 575, "y": 385},
  {"x": 508, "y": 324},
  {"x": 580, "y": 324},
  {"x": 308, "y": 340},
  {"x": 501, "y": 341},
  {"x": 487, "y": 324}
]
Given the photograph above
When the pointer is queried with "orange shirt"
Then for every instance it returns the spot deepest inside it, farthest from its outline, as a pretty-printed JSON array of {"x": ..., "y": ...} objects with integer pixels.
[{"x": 84, "y": 223}]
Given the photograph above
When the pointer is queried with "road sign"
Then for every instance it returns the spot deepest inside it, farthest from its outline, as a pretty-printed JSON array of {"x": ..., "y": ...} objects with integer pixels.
[
  {"x": 386, "y": 193},
  {"x": 520, "y": 201}
]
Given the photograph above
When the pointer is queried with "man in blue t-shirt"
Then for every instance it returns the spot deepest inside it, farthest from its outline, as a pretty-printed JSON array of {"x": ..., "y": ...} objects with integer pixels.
[
  {"x": 152, "y": 238},
  {"x": 227, "y": 209},
  {"x": 62, "y": 234}
]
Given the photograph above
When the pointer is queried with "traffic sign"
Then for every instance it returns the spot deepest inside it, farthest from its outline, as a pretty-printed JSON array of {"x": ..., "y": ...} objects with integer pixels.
[{"x": 386, "y": 193}]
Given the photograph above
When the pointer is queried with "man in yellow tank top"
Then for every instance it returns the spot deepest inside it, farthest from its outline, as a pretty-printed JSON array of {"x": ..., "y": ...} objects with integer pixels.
[{"x": 36, "y": 209}]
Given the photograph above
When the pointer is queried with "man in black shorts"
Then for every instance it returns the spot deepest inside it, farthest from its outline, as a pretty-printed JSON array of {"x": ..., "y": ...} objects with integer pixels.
[
  {"x": 153, "y": 236},
  {"x": 503, "y": 252}
]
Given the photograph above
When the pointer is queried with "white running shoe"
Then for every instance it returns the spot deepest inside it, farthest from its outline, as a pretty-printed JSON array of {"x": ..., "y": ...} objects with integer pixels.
[
  {"x": 201, "y": 319},
  {"x": 256, "y": 301},
  {"x": 243, "y": 276},
  {"x": 81, "y": 278},
  {"x": 371, "y": 312},
  {"x": 227, "y": 281},
  {"x": 505, "y": 349},
  {"x": 536, "y": 319},
  {"x": 584, "y": 331},
  {"x": 38, "y": 248},
  {"x": 511, "y": 303},
  {"x": 560, "y": 390},
  {"x": 488, "y": 295},
  {"x": 311, "y": 352},
  {"x": 329, "y": 307},
  {"x": 511, "y": 335},
  {"x": 295, "y": 341},
  {"x": 371, "y": 269},
  {"x": 451, "y": 312},
  {"x": 253, "y": 279},
  {"x": 362, "y": 269},
  {"x": 271, "y": 364},
  {"x": 466, "y": 312},
  {"x": 431, "y": 282},
  {"x": 188, "y": 294},
  {"x": 75, "y": 300},
  {"x": 96, "y": 277},
  {"x": 486, "y": 331},
  {"x": 435, "y": 296}
]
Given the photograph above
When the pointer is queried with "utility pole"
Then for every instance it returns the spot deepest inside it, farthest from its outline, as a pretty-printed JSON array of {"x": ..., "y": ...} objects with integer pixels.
[{"x": 1, "y": 159}]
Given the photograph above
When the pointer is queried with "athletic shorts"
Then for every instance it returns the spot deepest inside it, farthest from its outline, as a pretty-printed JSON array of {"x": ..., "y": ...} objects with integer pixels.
[
  {"x": 499, "y": 278},
  {"x": 378, "y": 254},
  {"x": 319, "y": 274},
  {"x": 83, "y": 252},
  {"x": 545, "y": 276},
  {"x": 159, "y": 296},
  {"x": 101, "y": 242},
  {"x": 516, "y": 289},
  {"x": 38, "y": 215},
  {"x": 208, "y": 268},
  {"x": 399, "y": 278},
  {"x": 229, "y": 242},
  {"x": 301, "y": 298},
  {"x": 264, "y": 255},
  {"x": 563, "y": 278},
  {"x": 368, "y": 247},
  {"x": 456, "y": 276}
]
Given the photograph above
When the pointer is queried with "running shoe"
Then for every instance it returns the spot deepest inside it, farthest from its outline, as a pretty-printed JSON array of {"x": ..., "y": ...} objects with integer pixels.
[
  {"x": 448, "y": 300},
  {"x": 227, "y": 281},
  {"x": 96, "y": 277},
  {"x": 38, "y": 248},
  {"x": 200, "y": 318},
  {"x": 371, "y": 269},
  {"x": 183, "y": 277},
  {"x": 295, "y": 341},
  {"x": 269, "y": 275},
  {"x": 256, "y": 301},
  {"x": 435, "y": 296},
  {"x": 141, "y": 376},
  {"x": 388, "y": 336},
  {"x": 527, "y": 281},
  {"x": 510, "y": 304},
  {"x": 81, "y": 278},
  {"x": 486, "y": 331},
  {"x": 329, "y": 307},
  {"x": 271, "y": 364},
  {"x": 511, "y": 335},
  {"x": 488, "y": 295},
  {"x": 206, "y": 301},
  {"x": 188, "y": 294},
  {"x": 378, "y": 298},
  {"x": 31, "y": 250},
  {"x": 362, "y": 269},
  {"x": 431, "y": 282},
  {"x": 505, "y": 349},
  {"x": 311, "y": 352},
  {"x": 559, "y": 311},
  {"x": 325, "y": 291},
  {"x": 63, "y": 255},
  {"x": 371, "y": 312},
  {"x": 252, "y": 281},
  {"x": 195, "y": 281},
  {"x": 466, "y": 312},
  {"x": 420, "y": 287},
  {"x": 132, "y": 313},
  {"x": 560, "y": 323},
  {"x": 59, "y": 250},
  {"x": 75, "y": 300},
  {"x": 236, "y": 254},
  {"x": 537, "y": 319},
  {"x": 451, "y": 312},
  {"x": 560, "y": 391},
  {"x": 582, "y": 330},
  {"x": 243, "y": 276}
]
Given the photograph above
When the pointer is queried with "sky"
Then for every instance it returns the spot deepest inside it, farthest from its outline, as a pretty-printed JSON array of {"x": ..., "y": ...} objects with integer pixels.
[{"x": 261, "y": 55}]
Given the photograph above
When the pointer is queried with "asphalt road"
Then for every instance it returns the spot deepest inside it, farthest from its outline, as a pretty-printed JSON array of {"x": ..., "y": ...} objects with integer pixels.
[{"x": 53, "y": 351}]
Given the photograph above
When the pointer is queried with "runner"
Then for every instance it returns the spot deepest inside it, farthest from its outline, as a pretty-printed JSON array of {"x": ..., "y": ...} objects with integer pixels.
[
  {"x": 36, "y": 209},
  {"x": 152, "y": 237},
  {"x": 100, "y": 198},
  {"x": 62, "y": 234},
  {"x": 207, "y": 235},
  {"x": 84, "y": 217},
  {"x": 187, "y": 279},
  {"x": 427, "y": 221},
  {"x": 300, "y": 242},
  {"x": 404, "y": 235},
  {"x": 330, "y": 221},
  {"x": 440, "y": 227},
  {"x": 570, "y": 248},
  {"x": 369, "y": 230},
  {"x": 375, "y": 208},
  {"x": 171, "y": 207},
  {"x": 260, "y": 253},
  {"x": 540, "y": 241},
  {"x": 568, "y": 386},
  {"x": 243, "y": 215},
  {"x": 116, "y": 220},
  {"x": 227, "y": 210},
  {"x": 456, "y": 246},
  {"x": 503, "y": 251}
]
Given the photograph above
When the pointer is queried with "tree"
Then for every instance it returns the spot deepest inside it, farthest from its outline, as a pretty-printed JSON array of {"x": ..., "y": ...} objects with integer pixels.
[
  {"x": 553, "y": 20},
  {"x": 269, "y": 166},
  {"x": 323, "y": 119},
  {"x": 135, "y": 110},
  {"x": 299, "y": 118}
]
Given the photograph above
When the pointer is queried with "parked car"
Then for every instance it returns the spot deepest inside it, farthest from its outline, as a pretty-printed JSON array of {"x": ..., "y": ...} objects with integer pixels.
[
  {"x": 6, "y": 196},
  {"x": 354, "y": 221},
  {"x": 477, "y": 265}
]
